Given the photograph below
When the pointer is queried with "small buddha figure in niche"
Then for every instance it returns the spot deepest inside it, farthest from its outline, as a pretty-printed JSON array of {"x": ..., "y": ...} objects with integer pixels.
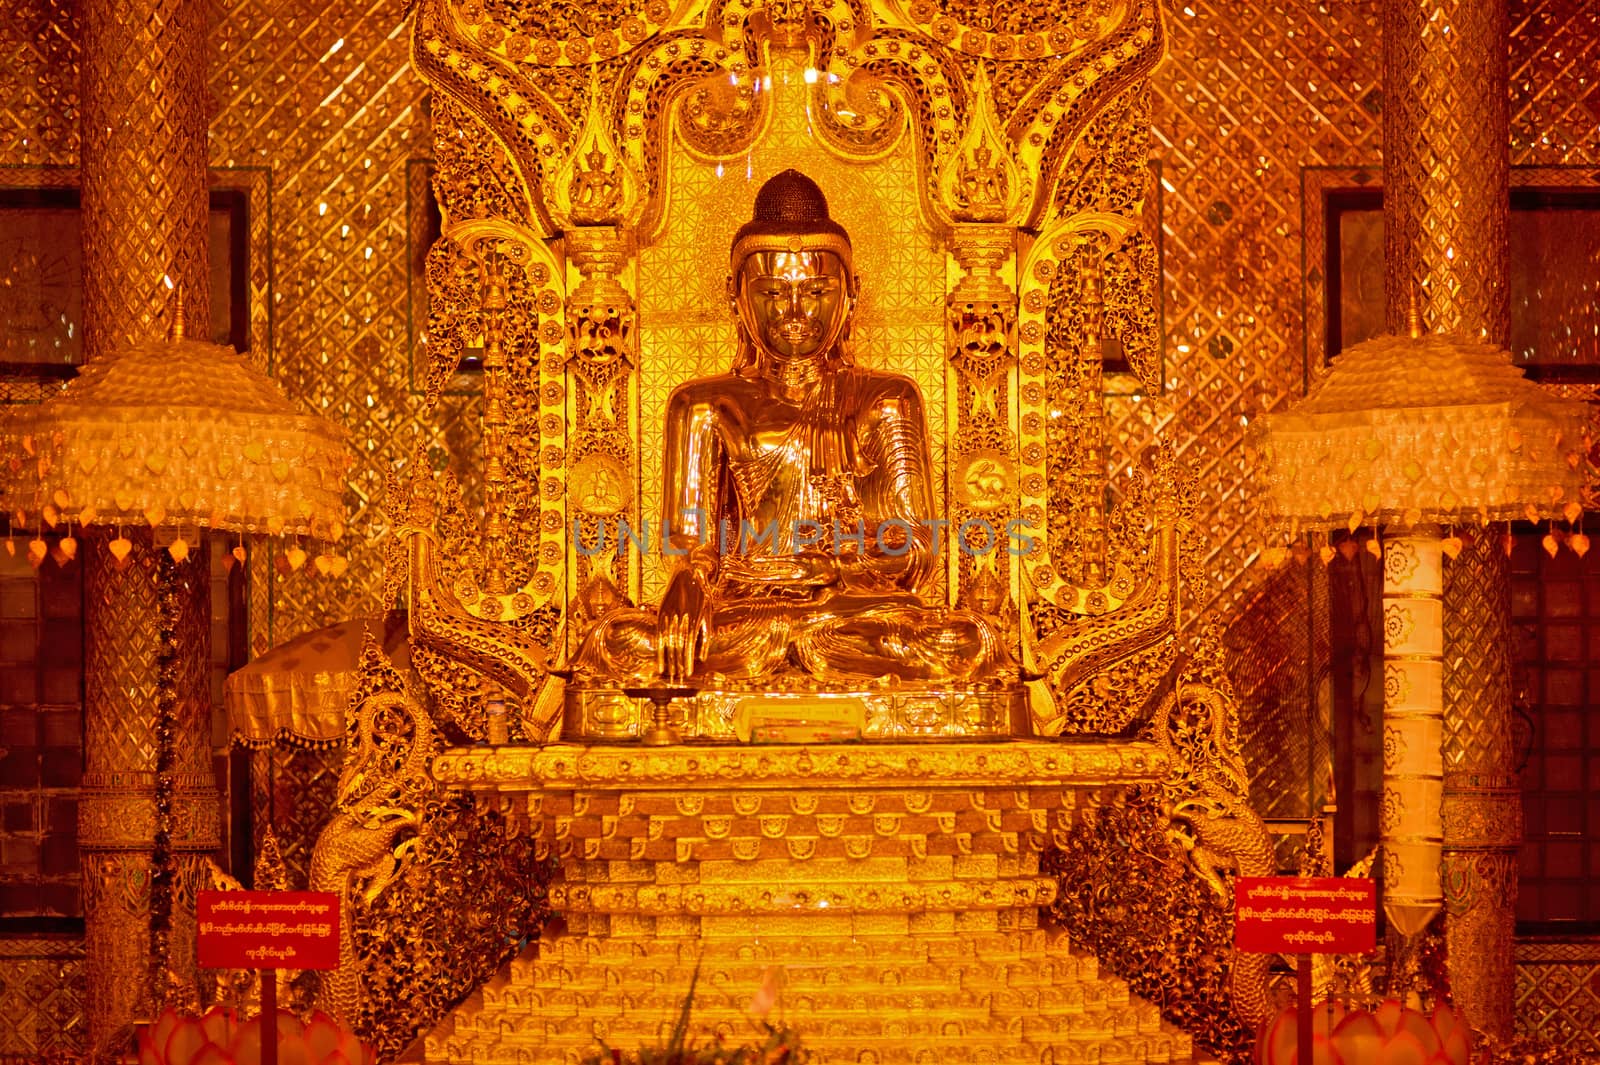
[{"x": 797, "y": 494}]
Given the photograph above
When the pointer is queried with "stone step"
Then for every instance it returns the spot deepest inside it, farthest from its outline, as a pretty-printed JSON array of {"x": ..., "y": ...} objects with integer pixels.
[
  {"x": 1072, "y": 1001},
  {"x": 1019, "y": 945},
  {"x": 649, "y": 1026},
  {"x": 1162, "y": 1049},
  {"x": 1157, "y": 1048},
  {"x": 1018, "y": 997},
  {"x": 1058, "y": 971}
]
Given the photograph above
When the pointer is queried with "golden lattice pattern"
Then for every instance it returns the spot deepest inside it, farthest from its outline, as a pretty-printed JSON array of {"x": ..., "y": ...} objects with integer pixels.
[
  {"x": 1555, "y": 95},
  {"x": 1558, "y": 994},
  {"x": 39, "y": 84},
  {"x": 1445, "y": 165},
  {"x": 41, "y": 999},
  {"x": 292, "y": 793},
  {"x": 1248, "y": 98},
  {"x": 1277, "y": 653},
  {"x": 121, "y": 676},
  {"x": 145, "y": 120},
  {"x": 330, "y": 105}
]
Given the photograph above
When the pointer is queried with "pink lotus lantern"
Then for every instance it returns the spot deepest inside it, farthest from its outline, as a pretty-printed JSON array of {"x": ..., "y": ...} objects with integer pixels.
[
  {"x": 218, "y": 1038},
  {"x": 1391, "y": 1034}
]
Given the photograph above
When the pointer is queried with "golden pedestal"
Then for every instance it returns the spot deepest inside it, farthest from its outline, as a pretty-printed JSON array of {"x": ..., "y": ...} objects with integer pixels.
[
  {"x": 991, "y": 711},
  {"x": 896, "y": 886}
]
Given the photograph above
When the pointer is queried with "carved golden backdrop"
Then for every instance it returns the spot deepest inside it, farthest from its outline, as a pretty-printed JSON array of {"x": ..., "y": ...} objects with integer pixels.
[
  {"x": 528, "y": 71},
  {"x": 590, "y": 171}
]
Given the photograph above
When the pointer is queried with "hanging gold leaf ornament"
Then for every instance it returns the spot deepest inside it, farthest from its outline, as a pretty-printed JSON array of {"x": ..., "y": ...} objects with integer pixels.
[{"x": 119, "y": 548}]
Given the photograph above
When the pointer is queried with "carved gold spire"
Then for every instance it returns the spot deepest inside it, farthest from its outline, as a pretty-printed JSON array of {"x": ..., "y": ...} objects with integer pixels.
[
  {"x": 596, "y": 184},
  {"x": 980, "y": 181}
]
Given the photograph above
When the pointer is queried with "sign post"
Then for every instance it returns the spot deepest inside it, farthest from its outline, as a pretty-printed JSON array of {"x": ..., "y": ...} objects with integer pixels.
[
  {"x": 268, "y": 930},
  {"x": 1305, "y": 915}
]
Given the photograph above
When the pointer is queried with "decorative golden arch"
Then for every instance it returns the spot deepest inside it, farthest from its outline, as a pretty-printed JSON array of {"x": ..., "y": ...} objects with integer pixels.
[{"x": 557, "y": 134}]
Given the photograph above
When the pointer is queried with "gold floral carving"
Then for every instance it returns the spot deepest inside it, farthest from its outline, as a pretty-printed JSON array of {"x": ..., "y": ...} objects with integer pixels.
[
  {"x": 411, "y": 865},
  {"x": 1398, "y": 624},
  {"x": 1400, "y": 562},
  {"x": 1162, "y": 922}
]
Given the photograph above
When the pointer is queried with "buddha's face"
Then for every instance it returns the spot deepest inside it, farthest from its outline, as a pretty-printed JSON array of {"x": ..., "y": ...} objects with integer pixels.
[{"x": 795, "y": 304}]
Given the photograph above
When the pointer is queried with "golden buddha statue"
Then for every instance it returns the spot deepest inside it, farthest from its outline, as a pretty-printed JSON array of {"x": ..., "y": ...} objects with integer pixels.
[{"x": 798, "y": 496}]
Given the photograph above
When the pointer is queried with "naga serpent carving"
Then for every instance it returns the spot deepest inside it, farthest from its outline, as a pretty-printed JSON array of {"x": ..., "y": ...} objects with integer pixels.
[
  {"x": 1212, "y": 819},
  {"x": 361, "y": 850}
]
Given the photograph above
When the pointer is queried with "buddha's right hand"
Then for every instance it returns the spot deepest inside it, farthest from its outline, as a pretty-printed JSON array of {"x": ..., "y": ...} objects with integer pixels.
[
  {"x": 808, "y": 569},
  {"x": 683, "y": 625}
]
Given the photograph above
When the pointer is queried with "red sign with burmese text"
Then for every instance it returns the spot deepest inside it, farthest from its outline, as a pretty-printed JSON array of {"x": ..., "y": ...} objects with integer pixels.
[
  {"x": 1305, "y": 915},
  {"x": 268, "y": 929}
]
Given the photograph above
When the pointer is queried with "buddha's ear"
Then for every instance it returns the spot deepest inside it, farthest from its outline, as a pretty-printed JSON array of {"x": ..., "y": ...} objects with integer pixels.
[{"x": 746, "y": 363}]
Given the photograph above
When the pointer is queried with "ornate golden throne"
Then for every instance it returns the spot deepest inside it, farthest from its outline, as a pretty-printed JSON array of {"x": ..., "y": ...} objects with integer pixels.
[{"x": 592, "y": 162}]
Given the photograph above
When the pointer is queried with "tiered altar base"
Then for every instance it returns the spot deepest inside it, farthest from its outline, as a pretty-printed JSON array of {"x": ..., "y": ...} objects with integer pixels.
[{"x": 896, "y": 888}]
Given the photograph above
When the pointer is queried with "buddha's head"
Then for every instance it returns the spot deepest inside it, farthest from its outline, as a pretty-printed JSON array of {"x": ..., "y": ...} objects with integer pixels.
[{"x": 793, "y": 285}]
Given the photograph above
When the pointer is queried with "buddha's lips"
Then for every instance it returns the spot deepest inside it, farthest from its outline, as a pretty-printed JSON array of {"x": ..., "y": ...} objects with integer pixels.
[{"x": 796, "y": 331}]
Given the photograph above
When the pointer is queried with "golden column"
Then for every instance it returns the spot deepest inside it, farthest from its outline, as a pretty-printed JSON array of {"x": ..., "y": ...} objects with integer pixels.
[
  {"x": 143, "y": 169},
  {"x": 146, "y": 706},
  {"x": 1446, "y": 144}
]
